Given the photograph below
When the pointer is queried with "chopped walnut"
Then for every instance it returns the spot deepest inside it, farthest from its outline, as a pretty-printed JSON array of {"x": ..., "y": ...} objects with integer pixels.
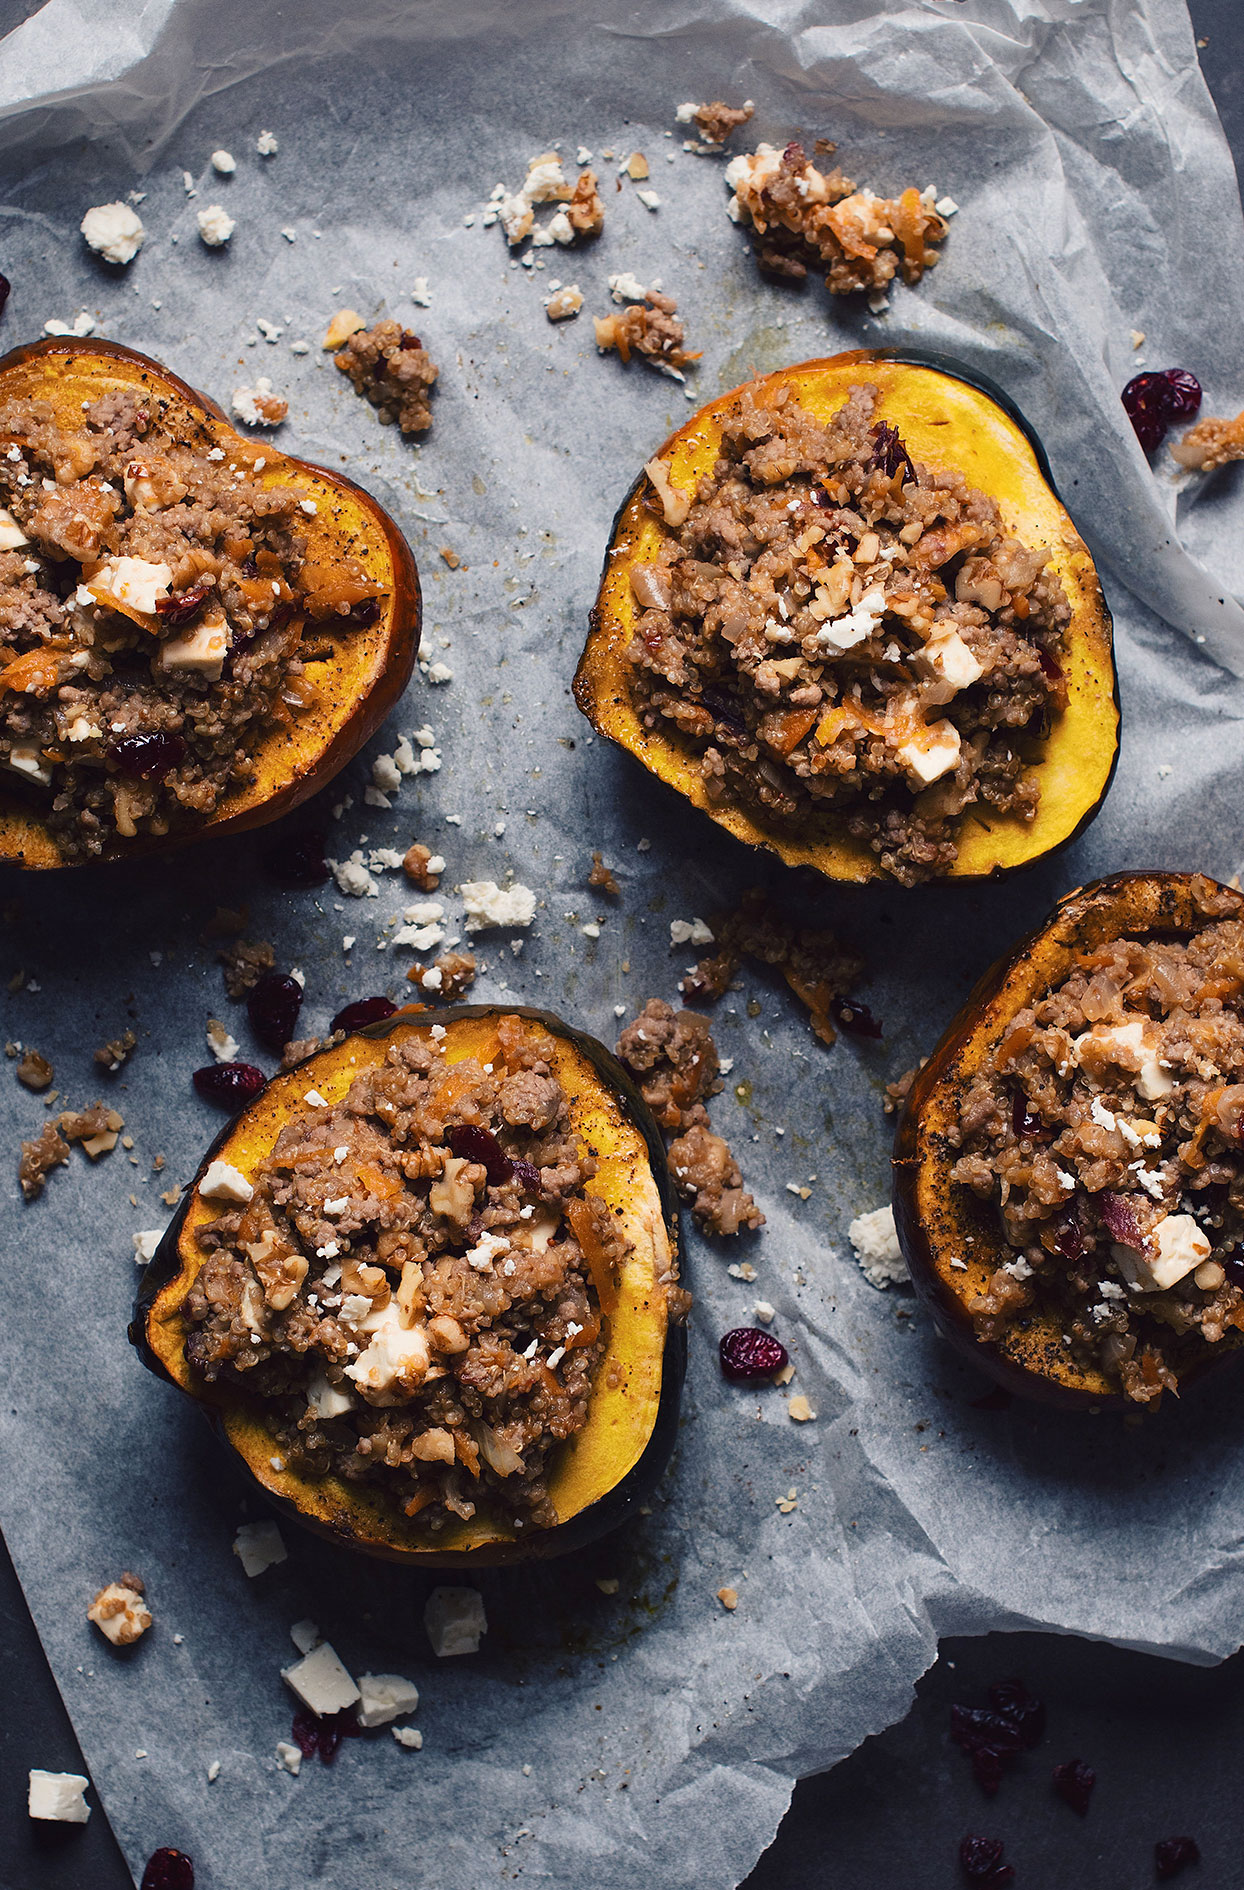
[
  {"x": 649, "y": 328},
  {"x": 96, "y": 1128},
  {"x": 419, "y": 868},
  {"x": 1210, "y": 443},
  {"x": 602, "y": 876},
  {"x": 120, "y": 1612},
  {"x": 35, "y": 1071},
  {"x": 816, "y": 966},
  {"x": 114, "y": 1053},
  {"x": 717, "y": 120},
  {"x": 447, "y": 979},
  {"x": 245, "y": 963},
  {"x": 801, "y": 218},
  {"x": 47, "y": 1150},
  {"x": 585, "y": 210},
  {"x": 392, "y": 369}
]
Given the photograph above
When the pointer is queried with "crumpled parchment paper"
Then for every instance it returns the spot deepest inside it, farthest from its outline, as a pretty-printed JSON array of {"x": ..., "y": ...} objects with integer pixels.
[{"x": 605, "y": 1734}]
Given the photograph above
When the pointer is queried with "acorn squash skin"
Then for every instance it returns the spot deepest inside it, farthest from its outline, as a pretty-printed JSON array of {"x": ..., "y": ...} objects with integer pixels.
[
  {"x": 935, "y": 1217},
  {"x": 361, "y": 682},
  {"x": 950, "y": 414},
  {"x": 602, "y": 1474}
]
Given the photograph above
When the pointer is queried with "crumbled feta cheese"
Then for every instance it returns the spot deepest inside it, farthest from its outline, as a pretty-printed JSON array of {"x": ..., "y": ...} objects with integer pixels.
[
  {"x": 328, "y": 1400},
  {"x": 216, "y": 226},
  {"x": 439, "y": 673},
  {"x": 321, "y": 1681},
  {"x": 1135, "y": 1039},
  {"x": 624, "y": 287},
  {"x": 201, "y": 649},
  {"x": 266, "y": 144},
  {"x": 258, "y": 1546},
  {"x": 352, "y": 876},
  {"x": 689, "y": 932},
  {"x": 213, "y": 1770},
  {"x": 316, "y": 1101},
  {"x": 384, "y": 1696},
  {"x": 224, "y": 162},
  {"x": 933, "y": 753},
  {"x": 454, "y": 1619},
  {"x": 1176, "y": 1246},
  {"x": 420, "y": 294},
  {"x": 649, "y": 199},
  {"x": 763, "y": 1311},
  {"x": 25, "y": 758},
  {"x": 420, "y": 938},
  {"x": 947, "y": 207},
  {"x": 305, "y": 1635},
  {"x": 114, "y": 231},
  {"x": 488, "y": 905},
  {"x": 222, "y": 1046},
  {"x": 12, "y": 537},
  {"x": 409, "y": 1736},
  {"x": 875, "y": 1240},
  {"x": 57, "y": 1797},
  {"x": 948, "y": 658},
  {"x": 385, "y": 774},
  {"x": 82, "y": 324},
  {"x": 565, "y": 303},
  {"x": 129, "y": 584},
  {"x": 485, "y": 1251},
  {"x": 145, "y": 1244},
  {"x": 259, "y": 406},
  {"x": 288, "y": 1757},
  {"x": 223, "y": 1182},
  {"x": 855, "y": 625}
]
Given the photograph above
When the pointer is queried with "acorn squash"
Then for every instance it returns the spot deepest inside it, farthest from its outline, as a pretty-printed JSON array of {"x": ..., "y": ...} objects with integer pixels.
[
  {"x": 940, "y": 1222},
  {"x": 357, "y": 670},
  {"x": 948, "y": 416},
  {"x": 607, "y": 1467}
]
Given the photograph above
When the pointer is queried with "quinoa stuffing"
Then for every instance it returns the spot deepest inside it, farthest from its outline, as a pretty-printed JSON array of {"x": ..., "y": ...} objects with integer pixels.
[
  {"x": 1211, "y": 443},
  {"x": 448, "y": 978},
  {"x": 673, "y": 1058},
  {"x": 245, "y": 963},
  {"x": 817, "y": 967},
  {"x": 154, "y": 599},
  {"x": 96, "y": 1129},
  {"x": 392, "y": 369},
  {"x": 413, "y": 1288},
  {"x": 1107, "y": 1128},
  {"x": 649, "y": 328},
  {"x": 844, "y": 637},
  {"x": 801, "y": 218},
  {"x": 716, "y": 120}
]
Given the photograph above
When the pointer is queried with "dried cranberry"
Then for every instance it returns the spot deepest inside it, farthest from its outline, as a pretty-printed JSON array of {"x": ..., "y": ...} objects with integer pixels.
[
  {"x": 1013, "y": 1722},
  {"x": 1050, "y": 665},
  {"x": 408, "y": 340},
  {"x": 473, "y": 1143},
  {"x": 889, "y": 453},
  {"x": 306, "y": 1732},
  {"x": 364, "y": 1011},
  {"x": 367, "y": 610},
  {"x": 1074, "y": 1782},
  {"x": 168, "y": 1869},
  {"x": 1024, "y": 1121},
  {"x": 1154, "y": 400},
  {"x": 229, "y": 1085},
  {"x": 180, "y": 606},
  {"x": 314, "y": 1734},
  {"x": 273, "y": 1008},
  {"x": 298, "y": 861},
  {"x": 856, "y": 1019},
  {"x": 1120, "y": 1217},
  {"x": 1171, "y": 1855},
  {"x": 747, "y": 1352},
  {"x": 980, "y": 1860},
  {"x": 1022, "y": 1709},
  {"x": 527, "y": 1176},
  {"x": 147, "y": 757},
  {"x": 1069, "y": 1236},
  {"x": 722, "y": 712}
]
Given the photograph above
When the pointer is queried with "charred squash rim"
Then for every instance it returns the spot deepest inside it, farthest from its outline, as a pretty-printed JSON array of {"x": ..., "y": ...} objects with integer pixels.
[
  {"x": 370, "y": 664},
  {"x": 939, "y": 1220},
  {"x": 998, "y": 451},
  {"x": 612, "y": 1464}
]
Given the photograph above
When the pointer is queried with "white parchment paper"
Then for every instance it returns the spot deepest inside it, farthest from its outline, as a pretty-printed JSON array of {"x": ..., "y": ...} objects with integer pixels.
[{"x": 643, "y": 1734}]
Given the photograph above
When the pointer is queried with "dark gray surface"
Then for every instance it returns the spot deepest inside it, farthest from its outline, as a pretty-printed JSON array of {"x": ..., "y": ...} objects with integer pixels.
[{"x": 1166, "y": 1741}]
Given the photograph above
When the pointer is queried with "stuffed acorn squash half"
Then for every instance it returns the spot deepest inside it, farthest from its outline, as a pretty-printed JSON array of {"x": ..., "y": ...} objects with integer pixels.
[
  {"x": 845, "y": 614},
  {"x": 1069, "y": 1164},
  {"x": 425, "y": 1288},
  {"x": 199, "y": 631}
]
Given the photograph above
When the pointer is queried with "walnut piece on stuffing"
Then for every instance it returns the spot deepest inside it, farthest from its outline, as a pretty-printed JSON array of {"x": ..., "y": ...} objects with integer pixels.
[
  {"x": 1210, "y": 443},
  {"x": 120, "y": 1612},
  {"x": 800, "y": 217},
  {"x": 392, "y": 369},
  {"x": 649, "y": 328}
]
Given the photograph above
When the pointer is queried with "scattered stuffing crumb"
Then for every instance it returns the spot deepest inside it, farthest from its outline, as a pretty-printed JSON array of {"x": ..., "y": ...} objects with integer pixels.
[
  {"x": 729, "y": 1599},
  {"x": 258, "y": 406}
]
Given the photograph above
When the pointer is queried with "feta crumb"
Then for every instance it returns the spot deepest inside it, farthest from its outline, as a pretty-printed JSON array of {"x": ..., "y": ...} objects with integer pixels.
[
  {"x": 260, "y": 406},
  {"x": 352, "y": 877},
  {"x": 258, "y": 1546},
  {"x": 408, "y": 1736},
  {"x": 224, "y": 162},
  {"x": 454, "y": 1619},
  {"x": 289, "y": 1757},
  {"x": 689, "y": 932},
  {"x": 384, "y": 1696},
  {"x": 564, "y": 304},
  {"x": 439, "y": 673},
  {"x": 57, "y": 1797},
  {"x": 649, "y": 199},
  {"x": 420, "y": 294},
  {"x": 316, "y": 1101},
  {"x": 266, "y": 144},
  {"x": 216, "y": 226},
  {"x": 946, "y": 207},
  {"x": 321, "y": 1681},
  {"x": 145, "y": 1244},
  {"x": 875, "y": 1241},
  {"x": 624, "y": 287},
  {"x": 741, "y": 1270},
  {"x": 305, "y": 1635},
  {"x": 386, "y": 774},
  {"x": 114, "y": 231},
  {"x": 799, "y": 1410},
  {"x": 488, "y": 905},
  {"x": 224, "y": 1182},
  {"x": 213, "y": 1770},
  {"x": 763, "y": 1311},
  {"x": 81, "y": 325},
  {"x": 222, "y": 1046}
]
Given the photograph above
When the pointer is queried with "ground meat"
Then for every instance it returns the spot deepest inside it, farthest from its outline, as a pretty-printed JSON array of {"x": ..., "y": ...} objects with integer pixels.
[
  {"x": 34, "y": 1071},
  {"x": 1107, "y": 1128},
  {"x": 845, "y": 639},
  {"x": 816, "y": 966},
  {"x": 245, "y": 963},
  {"x": 801, "y": 218},
  {"x": 151, "y": 624},
  {"x": 717, "y": 120},
  {"x": 45, "y": 1151},
  {"x": 455, "y": 974},
  {"x": 674, "y": 1060},
  {"x": 414, "y": 1288},
  {"x": 117, "y": 1051},
  {"x": 649, "y": 328},
  {"x": 602, "y": 876},
  {"x": 1211, "y": 443},
  {"x": 392, "y": 369}
]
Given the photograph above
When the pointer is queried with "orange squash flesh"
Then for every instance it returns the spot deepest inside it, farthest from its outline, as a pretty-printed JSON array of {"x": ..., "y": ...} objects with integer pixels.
[
  {"x": 602, "y": 1472},
  {"x": 947, "y": 416},
  {"x": 940, "y": 1221},
  {"x": 360, "y": 678}
]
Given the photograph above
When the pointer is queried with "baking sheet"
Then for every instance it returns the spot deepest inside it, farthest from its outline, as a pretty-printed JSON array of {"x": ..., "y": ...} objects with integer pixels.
[{"x": 600, "y": 1735}]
